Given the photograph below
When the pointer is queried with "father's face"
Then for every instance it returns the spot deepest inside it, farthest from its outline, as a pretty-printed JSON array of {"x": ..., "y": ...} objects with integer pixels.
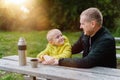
[{"x": 86, "y": 25}]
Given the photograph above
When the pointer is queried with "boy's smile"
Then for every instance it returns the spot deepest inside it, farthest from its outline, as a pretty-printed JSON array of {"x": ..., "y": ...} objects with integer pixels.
[{"x": 58, "y": 39}]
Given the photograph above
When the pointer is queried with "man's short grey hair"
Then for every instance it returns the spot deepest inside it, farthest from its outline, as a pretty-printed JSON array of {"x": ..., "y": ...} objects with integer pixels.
[{"x": 93, "y": 14}]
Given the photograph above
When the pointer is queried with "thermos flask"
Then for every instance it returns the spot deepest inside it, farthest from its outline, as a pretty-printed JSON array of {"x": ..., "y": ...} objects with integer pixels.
[{"x": 22, "y": 51}]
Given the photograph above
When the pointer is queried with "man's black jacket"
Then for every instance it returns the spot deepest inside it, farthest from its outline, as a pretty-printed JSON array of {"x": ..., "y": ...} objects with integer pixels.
[{"x": 100, "y": 52}]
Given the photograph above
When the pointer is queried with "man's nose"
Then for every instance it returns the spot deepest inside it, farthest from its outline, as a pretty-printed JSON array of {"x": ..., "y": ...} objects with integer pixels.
[{"x": 81, "y": 28}]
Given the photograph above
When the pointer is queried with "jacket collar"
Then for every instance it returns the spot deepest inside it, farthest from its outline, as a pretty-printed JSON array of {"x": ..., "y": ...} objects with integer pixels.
[{"x": 98, "y": 33}]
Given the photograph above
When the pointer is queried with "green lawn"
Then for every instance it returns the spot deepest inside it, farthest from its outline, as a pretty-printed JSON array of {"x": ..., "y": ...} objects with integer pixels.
[{"x": 36, "y": 41}]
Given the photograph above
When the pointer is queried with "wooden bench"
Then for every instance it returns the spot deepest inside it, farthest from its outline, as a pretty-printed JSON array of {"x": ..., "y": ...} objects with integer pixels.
[
  {"x": 10, "y": 63},
  {"x": 117, "y": 39}
]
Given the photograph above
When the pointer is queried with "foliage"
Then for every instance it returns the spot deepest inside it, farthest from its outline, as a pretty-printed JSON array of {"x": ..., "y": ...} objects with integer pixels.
[
  {"x": 62, "y": 14},
  {"x": 13, "y": 17},
  {"x": 110, "y": 10}
]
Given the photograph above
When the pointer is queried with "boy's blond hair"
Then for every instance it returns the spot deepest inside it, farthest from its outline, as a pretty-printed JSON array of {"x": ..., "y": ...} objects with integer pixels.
[{"x": 51, "y": 33}]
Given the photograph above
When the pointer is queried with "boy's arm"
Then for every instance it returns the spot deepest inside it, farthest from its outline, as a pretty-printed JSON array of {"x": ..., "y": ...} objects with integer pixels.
[
  {"x": 66, "y": 52},
  {"x": 44, "y": 52}
]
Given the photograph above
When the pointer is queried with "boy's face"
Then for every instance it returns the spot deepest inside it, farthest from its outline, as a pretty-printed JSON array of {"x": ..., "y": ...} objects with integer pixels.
[{"x": 57, "y": 39}]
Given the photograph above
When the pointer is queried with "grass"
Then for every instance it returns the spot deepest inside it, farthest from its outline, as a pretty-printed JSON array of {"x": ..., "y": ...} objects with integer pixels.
[
  {"x": 10, "y": 76},
  {"x": 36, "y": 42}
]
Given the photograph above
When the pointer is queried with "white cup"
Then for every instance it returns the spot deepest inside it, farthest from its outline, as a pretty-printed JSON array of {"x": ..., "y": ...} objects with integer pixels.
[{"x": 34, "y": 63}]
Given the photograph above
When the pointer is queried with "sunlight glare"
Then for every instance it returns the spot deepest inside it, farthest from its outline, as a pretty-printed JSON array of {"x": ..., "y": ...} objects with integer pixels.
[
  {"x": 15, "y": 1},
  {"x": 24, "y": 9}
]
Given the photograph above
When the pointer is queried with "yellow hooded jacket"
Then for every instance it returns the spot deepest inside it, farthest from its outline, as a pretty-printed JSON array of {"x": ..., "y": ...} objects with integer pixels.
[{"x": 63, "y": 51}]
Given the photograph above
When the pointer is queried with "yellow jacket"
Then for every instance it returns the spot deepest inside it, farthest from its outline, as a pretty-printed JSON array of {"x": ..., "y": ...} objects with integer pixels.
[{"x": 63, "y": 51}]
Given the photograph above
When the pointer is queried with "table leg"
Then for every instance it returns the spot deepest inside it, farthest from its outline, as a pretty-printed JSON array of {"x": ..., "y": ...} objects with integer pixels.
[{"x": 33, "y": 77}]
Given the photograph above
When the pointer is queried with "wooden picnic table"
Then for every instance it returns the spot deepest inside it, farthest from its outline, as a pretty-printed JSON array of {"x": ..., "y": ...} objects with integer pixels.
[{"x": 10, "y": 63}]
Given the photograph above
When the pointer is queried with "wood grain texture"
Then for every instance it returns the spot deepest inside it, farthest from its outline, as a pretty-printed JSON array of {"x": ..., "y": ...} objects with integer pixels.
[{"x": 59, "y": 72}]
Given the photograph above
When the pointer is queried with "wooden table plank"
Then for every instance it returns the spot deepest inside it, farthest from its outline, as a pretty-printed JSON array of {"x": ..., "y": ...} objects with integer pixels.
[
  {"x": 15, "y": 58},
  {"x": 59, "y": 72},
  {"x": 52, "y": 72},
  {"x": 99, "y": 70}
]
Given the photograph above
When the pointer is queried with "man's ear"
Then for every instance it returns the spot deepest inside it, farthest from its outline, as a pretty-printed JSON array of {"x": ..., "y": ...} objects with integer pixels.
[{"x": 93, "y": 23}]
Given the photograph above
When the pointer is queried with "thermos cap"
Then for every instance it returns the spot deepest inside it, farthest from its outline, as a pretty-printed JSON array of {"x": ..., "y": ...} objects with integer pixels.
[{"x": 21, "y": 41}]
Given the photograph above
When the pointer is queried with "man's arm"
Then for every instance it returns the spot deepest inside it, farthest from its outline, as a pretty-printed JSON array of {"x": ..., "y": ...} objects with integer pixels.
[
  {"x": 78, "y": 46},
  {"x": 100, "y": 54}
]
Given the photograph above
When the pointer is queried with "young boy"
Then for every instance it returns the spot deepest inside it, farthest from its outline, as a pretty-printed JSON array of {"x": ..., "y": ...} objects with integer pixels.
[{"x": 58, "y": 47}]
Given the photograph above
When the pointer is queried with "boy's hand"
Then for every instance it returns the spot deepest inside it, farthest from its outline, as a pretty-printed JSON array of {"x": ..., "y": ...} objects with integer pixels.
[
  {"x": 50, "y": 60},
  {"x": 47, "y": 58},
  {"x": 42, "y": 57},
  {"x": 39, "y": 60}
]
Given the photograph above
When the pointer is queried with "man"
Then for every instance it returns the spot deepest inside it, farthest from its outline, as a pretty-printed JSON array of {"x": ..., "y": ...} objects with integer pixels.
[{"x": 96, "y": 42}]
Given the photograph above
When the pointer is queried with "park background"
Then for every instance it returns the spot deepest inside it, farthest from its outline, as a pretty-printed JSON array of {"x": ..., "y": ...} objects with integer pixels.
[{"x": 32, "y": 19}]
